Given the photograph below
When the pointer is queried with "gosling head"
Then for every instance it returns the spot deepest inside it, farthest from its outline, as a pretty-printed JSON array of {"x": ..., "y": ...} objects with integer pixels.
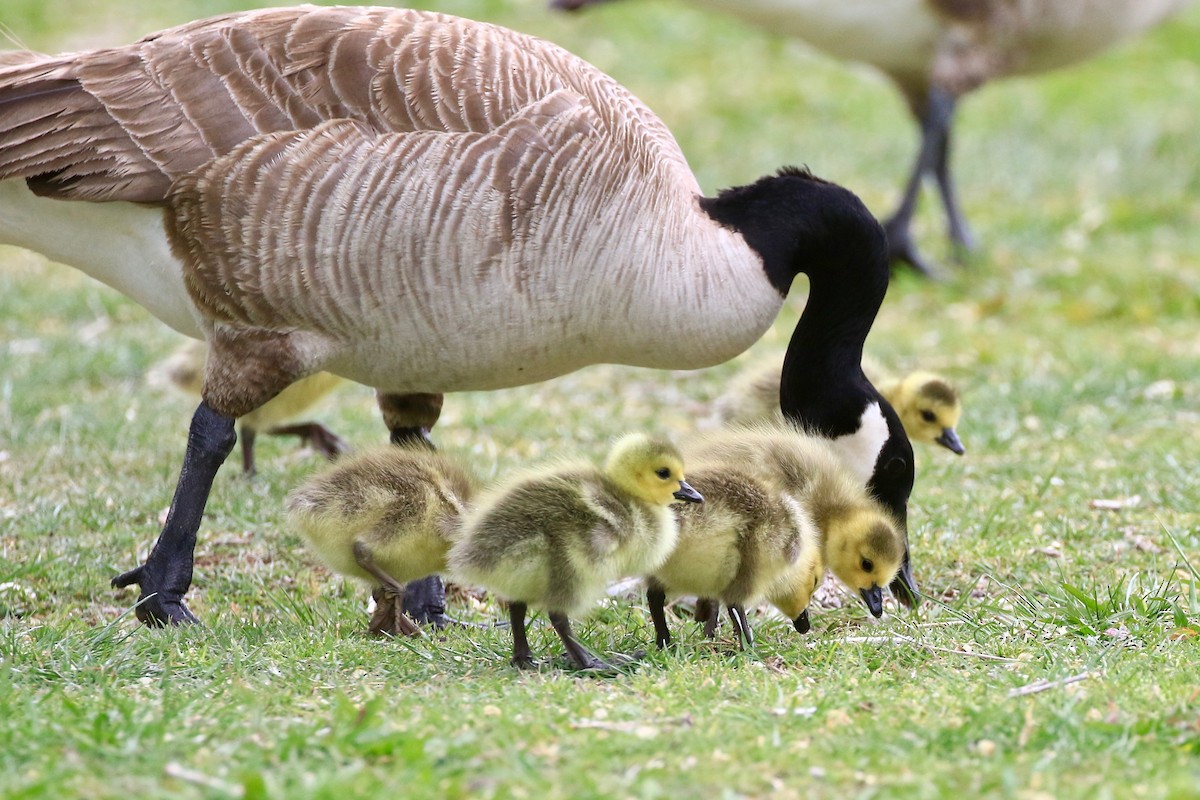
[
  {"x": 929, "y": 409},
  {"x": 650, "y": 469},
  {"x": 864, "y": 549}
]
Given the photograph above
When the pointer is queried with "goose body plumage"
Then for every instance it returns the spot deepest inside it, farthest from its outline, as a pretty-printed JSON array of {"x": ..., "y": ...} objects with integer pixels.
[
  {"x": 184, "y": 370},
  {"x": 413, "y": 201},
  {"x": 935, "y": 51}
]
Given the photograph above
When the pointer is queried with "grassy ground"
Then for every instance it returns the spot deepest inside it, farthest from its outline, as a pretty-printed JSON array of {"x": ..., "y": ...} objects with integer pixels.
[{"x": 1073, "y": 334}]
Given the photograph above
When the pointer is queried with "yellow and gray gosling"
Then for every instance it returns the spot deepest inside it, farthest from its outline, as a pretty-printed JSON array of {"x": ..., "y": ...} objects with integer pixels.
[
  {"x": 386, "y": 516},
  {"x": 732, "y": 548},
  {"x": 184, "y": 369},
  {"x": 928, "y": 405},
  {"x": 859, "y": 540},
  {"x": 554, "y": 537}
]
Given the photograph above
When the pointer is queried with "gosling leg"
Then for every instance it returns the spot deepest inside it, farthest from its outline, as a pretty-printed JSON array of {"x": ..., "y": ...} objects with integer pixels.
[
  {"x": 583, "y": 658},
  {"x": 711, "y": 618},
  {"x": 522, "y": 657},
  {"x": 742, "y": 625},
  {"x": 393, "y": 595},
  {"x": 656, "y": 598}
]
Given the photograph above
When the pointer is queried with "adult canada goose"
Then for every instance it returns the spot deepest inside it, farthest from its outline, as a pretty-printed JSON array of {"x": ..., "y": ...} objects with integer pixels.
[
  {"x": 732, "y": 548},
  {"x": 418, "y": 203},
  {"x": 384, "y": 516},
  {"x": 935, "y": 51},
  {"x": 554, "y": 537},
  {"x": 184, "y": 369},
  {"x": 860, "y": 540},
  {"x": 928, "y": 405}
]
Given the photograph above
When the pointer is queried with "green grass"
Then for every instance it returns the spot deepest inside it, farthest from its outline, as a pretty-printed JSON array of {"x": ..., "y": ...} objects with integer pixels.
[{"x": 1073, "y": 334}]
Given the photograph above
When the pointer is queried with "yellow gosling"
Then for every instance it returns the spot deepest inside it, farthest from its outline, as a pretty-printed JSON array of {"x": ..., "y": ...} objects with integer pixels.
[
  {"x": 553, "y": 537},
  {"x": 385, "y": 516}
]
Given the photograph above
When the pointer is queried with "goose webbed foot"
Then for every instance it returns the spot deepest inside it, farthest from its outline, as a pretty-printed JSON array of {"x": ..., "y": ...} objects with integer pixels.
[
  {"x": 157, "y": 605},
  {"x": 425, "y": 602},
  {"x": 167, "y": 574}
]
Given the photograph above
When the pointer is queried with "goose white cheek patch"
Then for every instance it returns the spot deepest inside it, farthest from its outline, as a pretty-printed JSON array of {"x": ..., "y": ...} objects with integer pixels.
[{"x": 860, "y": 450}]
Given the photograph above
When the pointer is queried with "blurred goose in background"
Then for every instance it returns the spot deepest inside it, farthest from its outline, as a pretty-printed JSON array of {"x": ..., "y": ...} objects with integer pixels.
[
  {"x": 928, "y": 405},
  {"x": 384, "y": 516},
  {"x": 184, "y": 370},
  {"x": 422, "y": 204},
  {"x": 935, "y": 51},
  {"x": 554, "y": 537}
]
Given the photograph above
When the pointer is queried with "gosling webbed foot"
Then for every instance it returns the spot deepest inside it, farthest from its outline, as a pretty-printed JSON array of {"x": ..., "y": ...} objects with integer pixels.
[
  {"x": 389, "y": 618},
  {"x": 316, "y": 436}
]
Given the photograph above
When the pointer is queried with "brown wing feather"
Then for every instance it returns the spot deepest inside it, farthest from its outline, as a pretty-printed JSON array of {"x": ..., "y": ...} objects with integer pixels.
[{"x": 125, "y": 123}]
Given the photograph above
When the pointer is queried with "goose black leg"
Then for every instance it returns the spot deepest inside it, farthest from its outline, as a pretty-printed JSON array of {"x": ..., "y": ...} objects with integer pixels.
[
  {"x": 392, "y": 594},
  {"x": 409, "y": 419},
  {"x": 167, "y": 574},
  {"x": 522, "y": 657},
  {"x": 656, "y": 598},
  {"x": 583, "y": 658},
  {"x": 935, "y": 117},
  {"x": 956, "y": 222},
  {"x": 742, "y": 625}
]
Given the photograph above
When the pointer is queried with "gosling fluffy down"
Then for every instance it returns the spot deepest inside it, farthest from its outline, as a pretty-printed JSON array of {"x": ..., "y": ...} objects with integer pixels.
[
  {"x": 929, "y": 406},
  {"x": 554, "y": 537},
  {"x": 733, "y": 547},
  {"x": 860, "y": 541},
  {"x": 385, "y": 516}
]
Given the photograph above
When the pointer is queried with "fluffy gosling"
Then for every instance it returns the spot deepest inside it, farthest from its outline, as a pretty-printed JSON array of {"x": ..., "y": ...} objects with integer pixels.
[
  {"x": 385, "y": 516},
  {"x": 860, "y": 542},
  {"x": 928, "y": 405},
  {"x": 554, "y": 537},
  {"x": 732, "y": 549},
  {"x": 184, "y": 370}
]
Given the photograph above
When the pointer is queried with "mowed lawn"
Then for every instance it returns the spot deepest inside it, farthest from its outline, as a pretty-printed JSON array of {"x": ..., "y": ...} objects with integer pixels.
[{"x": 1056, "y": 654}]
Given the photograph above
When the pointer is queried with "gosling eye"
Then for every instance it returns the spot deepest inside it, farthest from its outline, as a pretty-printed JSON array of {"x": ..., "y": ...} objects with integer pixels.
[
  {"x": 868, "y": 565},
  {"x": 663, "y": 473},
  {"x": 928, "y": 415}
]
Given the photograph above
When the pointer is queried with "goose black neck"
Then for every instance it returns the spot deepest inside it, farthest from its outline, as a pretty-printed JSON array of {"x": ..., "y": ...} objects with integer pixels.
[{"x": 800, "y": 224}]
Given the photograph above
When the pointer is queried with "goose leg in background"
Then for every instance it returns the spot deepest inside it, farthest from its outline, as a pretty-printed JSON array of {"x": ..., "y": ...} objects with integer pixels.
[
  {"x": 956, "y": 223},
  {"x": 934, "y": 116},
  {"x": 167, "y": 574},
  {"x": 409, "y": 419},
  {"x": 316, "y": 436},
  {"x": 248, "y": 435}
]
